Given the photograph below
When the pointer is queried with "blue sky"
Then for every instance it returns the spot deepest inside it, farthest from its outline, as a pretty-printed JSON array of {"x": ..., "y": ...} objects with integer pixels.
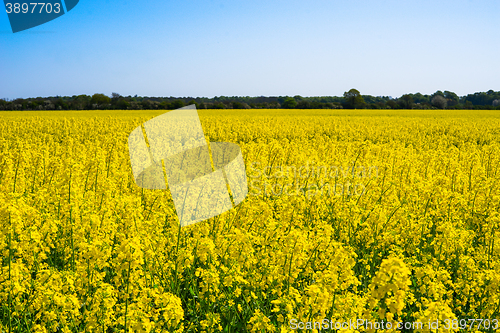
[{"x": 255, "y": 48}]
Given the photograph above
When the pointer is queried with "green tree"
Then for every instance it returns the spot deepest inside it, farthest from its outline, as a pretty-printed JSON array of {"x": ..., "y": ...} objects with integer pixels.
[
  {"x": 289, "y": 103},
  {"x": 438, "y": 93},
  {"x": 451, "y": 97},
  {"x": 61, "y": 104},
  {"x": 81, "y": 102},
  {"x": 177, "y": 104},
  {"x": 146, "y": 104},
  {"x": 237, "y": 105},
  {"x": 419, "y": 98},
  {"x": 406, "y": 101},
  {"x": 100, "y": 100},
  {"x": 122, "y": 104},
  {"x": 191, "y": 102},
  {"x": 353, "y": 98},
  {"x": 391, "y": 104},
  {"x": 304, "y": 104},
  {"x": 439, "y": 101},
  {"x": 115, "y": 97},
  {"x": 219, "y": 105}
]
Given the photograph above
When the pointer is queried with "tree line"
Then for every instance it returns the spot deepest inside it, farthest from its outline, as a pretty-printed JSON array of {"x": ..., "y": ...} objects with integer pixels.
[{"x": 351, "y": 99}]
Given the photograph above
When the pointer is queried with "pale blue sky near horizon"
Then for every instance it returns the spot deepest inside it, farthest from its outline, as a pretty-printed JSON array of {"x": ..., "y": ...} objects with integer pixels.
[{"x": 210, "y": 48}]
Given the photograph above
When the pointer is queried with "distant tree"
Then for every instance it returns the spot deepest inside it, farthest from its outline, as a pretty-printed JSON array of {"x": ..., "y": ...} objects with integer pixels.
[
  {"x": 155, "y": 105},
  {"x": 122, "y": 104},
  {"x": 164, "y": 105},
  {"x": 438, "y": 93},
  {"x": 146, "y": 104},
  {"x": 426, "y": 106},
  {"x": 392, "y": 104},
  {"x": 406, "y": 101},
  {"x": 304, "y": 104},
  {"x": 48, "y": 105},
  {"x": 191, "y": 102},
  {"x": 289, "y": 103},
  {"x": 419, "y": 98},
  {"x": 274, "y": 105},
  {"x": 177, "y": 104},
  {"x": 353, "y": 98},
  {"x": 20, "y": 103},
  {"x": 496, "y": 102},
  {"x": 134, "y": 105},
  {"x": 100, "y": 100},
  {"x": 218, "y": 105},
  {"x": 32, "y": 105},
  {"x": 240, "y": 105},
  {"x": 60, "y": 104},
  {"x": 319, "y": 105},
  {"x": 439, "y": 101},
  {"x": 237, "y": 105},
  {"x": 80, "y": 102},
  {"x": 451, "y": 98},
  {"x": 480, "y": 98},
  {"x": 115, "y": 97}
]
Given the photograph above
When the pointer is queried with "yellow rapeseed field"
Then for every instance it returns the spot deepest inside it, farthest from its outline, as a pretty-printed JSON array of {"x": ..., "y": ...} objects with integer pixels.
[{"x": 355, "y": 220}]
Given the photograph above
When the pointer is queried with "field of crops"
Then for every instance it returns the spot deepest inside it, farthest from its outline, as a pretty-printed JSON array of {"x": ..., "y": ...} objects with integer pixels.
[{"x": 365, "y": 220}]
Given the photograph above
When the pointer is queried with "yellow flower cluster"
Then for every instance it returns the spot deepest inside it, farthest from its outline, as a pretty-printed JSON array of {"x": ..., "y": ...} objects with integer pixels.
[
  {"x": 83, "y": 249},
  {"x": 389, "y": 287}
]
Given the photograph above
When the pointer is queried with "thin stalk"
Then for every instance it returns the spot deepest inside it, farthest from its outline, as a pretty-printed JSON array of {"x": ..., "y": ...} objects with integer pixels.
[
  {"x": 126, "y": 299},
  {"x": 176, "y": 257},
  {"x": 10, "y": 289},
  {"x": 15, "y": 176}
]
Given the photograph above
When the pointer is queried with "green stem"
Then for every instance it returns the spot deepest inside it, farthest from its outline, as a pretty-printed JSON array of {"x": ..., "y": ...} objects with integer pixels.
[
  {"x": 126, "y": 299},
  {"x": 15, "y": 176},
  {"x": 176, "y": 258},
  {"x": 10, "y": 289}
]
